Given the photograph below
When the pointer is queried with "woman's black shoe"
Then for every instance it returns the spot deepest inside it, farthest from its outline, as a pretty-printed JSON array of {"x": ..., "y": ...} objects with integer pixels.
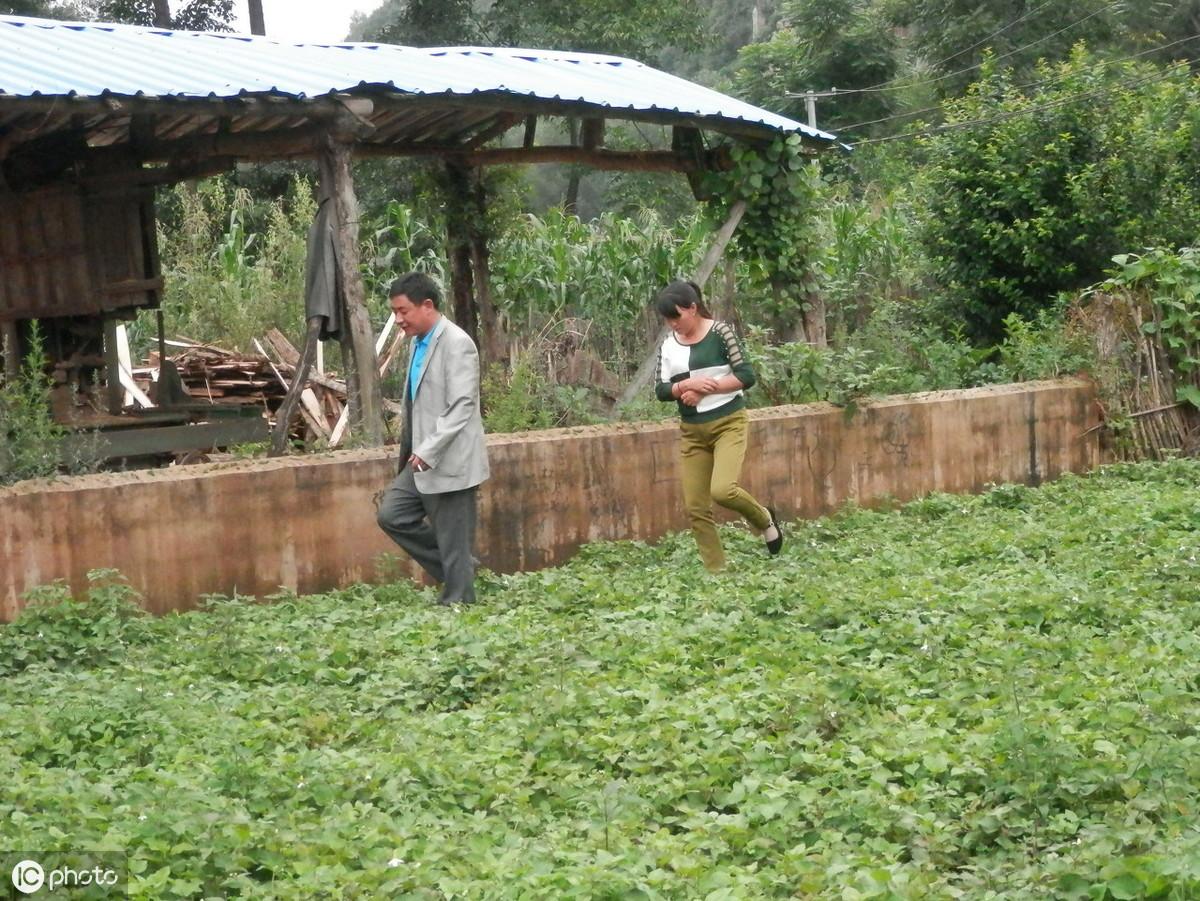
[{"x": 775, "y": 545}]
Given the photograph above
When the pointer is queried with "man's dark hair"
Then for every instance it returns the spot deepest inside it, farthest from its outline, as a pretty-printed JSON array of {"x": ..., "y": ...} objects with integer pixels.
[{"x": 417, "y": 287}]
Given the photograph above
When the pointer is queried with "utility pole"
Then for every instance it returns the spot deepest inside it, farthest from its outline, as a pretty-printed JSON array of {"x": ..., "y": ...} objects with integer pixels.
[
  {"x": 257, "y": 24},
  {"x": 810, "y": 102}
]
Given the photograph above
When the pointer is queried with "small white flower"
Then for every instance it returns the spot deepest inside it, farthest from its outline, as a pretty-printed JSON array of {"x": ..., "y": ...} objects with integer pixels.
[
  {"x": 299, "y": 785},
  {"x": 169, "y": 694},
  {"x": 279, "y": 649},
  {"x": 395, "y": 862},
  {"x": 925, "y": 647},
  {"x": 141, "y": 818},
  {"x": 138, "y": 689}
]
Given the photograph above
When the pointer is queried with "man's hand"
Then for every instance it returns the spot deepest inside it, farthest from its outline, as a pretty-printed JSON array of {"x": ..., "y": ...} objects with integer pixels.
[
  {"x": 417, "y": 464},
  {"x": 690, "y": 397}
]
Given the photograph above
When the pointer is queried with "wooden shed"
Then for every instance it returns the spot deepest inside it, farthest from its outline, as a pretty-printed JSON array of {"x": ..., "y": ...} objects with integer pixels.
[{"x": 94, "y": 116}]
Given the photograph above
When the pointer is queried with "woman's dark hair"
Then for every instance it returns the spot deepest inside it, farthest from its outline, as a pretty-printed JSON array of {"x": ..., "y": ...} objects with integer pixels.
[{"x": 680, "y": 294}]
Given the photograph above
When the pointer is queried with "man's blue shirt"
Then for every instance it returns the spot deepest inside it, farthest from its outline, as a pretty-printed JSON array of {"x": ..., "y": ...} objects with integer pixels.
[{"x": 419, "y": 352}]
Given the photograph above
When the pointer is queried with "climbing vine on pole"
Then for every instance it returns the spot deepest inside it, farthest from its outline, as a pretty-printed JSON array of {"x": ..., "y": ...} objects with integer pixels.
[{"x": 778, "y": 234}]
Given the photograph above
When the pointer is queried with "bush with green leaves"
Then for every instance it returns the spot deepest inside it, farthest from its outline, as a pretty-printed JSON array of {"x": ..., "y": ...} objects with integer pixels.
[
  {"x": 1170, "y": 281},
  {"x": 991, "y": 697},
  {"x": 778, "y": 234},
  {"x": 30, "y": 439},
  {"x": 1033, "y": 188},
  {"x": 895, "y": 352},
  {"x": 57, "y": 630}
]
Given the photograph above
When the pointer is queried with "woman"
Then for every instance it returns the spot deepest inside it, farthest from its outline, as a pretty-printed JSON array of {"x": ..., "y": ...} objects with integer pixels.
[{"x": 702, "y": 367}]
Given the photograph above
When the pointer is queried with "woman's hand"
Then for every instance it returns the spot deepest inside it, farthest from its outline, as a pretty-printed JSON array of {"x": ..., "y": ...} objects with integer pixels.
[{"x": 701, "y": 384}]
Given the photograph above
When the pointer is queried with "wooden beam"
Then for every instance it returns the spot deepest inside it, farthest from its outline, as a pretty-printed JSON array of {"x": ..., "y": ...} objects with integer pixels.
[
  {"x": 283, "y": 416},
  {"x": 625, "y": 160},
  {"x": 112, "y": 363},
  {"x": 458, "y": 246},
  {"x": 153, "y": 176},
  {"x": 530, "y": 132},
  {"x": 499, "y": 127}
]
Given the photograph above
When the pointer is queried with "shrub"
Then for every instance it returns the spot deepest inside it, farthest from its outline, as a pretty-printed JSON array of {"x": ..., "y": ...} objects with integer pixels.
[
  {"x": 61, "y": 631},
  {"x": 1039, "y": 188},
  {"x": 30, "y": 439}
]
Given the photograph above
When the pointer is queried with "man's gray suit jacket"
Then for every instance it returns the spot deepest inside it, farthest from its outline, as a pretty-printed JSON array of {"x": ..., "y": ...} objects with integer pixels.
[{"x": 445, "y": 425}]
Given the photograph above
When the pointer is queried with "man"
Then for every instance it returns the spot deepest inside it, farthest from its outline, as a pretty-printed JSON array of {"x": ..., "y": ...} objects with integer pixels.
[{"x": 429, "y": 509}]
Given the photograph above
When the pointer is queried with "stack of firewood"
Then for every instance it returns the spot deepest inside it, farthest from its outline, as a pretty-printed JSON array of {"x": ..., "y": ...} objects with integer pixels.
[{"x": 219, "y": 376}]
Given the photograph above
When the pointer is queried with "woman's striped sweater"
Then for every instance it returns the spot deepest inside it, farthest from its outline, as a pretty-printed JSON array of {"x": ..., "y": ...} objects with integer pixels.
[{"x": 717, "y": 354}]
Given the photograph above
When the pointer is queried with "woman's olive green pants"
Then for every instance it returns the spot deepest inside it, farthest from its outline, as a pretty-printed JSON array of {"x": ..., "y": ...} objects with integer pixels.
[{"x": 711, "y": 456}]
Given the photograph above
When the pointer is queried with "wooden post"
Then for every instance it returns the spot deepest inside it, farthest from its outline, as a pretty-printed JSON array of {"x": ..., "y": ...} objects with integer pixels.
[
  {"x": 365, "y": 396},
  {"x": 495, "y": 342},
  {"x": 112, "y": 364},
  {"x": 458, "y": 247},
  {"x": 707, "y": 265},
  {"x": 283, "y": 417}
]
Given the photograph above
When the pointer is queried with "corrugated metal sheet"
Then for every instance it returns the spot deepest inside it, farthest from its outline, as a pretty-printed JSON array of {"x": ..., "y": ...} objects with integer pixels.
[{"x": 40, "y": 57}]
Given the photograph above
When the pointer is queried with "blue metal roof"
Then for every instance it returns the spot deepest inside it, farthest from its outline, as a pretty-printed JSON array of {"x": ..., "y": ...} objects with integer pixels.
[{"x": 41, "y": 57}]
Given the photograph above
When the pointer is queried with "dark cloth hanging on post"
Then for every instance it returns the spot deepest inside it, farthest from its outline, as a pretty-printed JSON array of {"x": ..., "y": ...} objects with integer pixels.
[{"x": 321, "y": 296}]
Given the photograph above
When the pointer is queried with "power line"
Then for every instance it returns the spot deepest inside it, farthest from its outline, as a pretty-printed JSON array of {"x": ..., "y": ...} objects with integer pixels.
[
  {"x": 890, "y": 86},
  {"x": 999, "y": 117},
  {"x": 1021, "y": 87},
  {"x": 981, "y": 41}
]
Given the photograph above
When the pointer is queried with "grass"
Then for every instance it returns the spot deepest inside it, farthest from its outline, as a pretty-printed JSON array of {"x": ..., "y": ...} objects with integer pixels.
[{"x": 962, "y": 697}]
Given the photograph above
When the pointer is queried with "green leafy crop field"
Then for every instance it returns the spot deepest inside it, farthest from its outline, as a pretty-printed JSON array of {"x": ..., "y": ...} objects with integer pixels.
[{"x": 962, "y": 697}]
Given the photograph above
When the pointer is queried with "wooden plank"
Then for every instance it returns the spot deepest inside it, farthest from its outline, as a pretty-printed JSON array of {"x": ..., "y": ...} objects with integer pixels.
[
  {"x": 283, "y": 348},
  {"x": 134, "y": 442},
  {"x": 283, "y": 415},
  {"x": 125, "y": 359}
]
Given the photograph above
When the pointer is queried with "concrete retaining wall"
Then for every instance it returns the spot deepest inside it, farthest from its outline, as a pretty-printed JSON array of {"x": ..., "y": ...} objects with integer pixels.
[{"x": 308, "y": 524}]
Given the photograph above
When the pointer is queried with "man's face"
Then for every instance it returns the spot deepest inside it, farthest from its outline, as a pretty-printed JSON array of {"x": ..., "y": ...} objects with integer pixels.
[{"x": 416, "y": 319}]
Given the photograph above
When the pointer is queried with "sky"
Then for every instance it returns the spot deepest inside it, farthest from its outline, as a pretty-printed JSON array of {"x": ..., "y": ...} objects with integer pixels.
[{"x": 305, "y": 20}]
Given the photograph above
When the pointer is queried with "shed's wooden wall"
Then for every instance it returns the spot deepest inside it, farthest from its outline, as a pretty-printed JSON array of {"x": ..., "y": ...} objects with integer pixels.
[{"x": 68, "y": 252}]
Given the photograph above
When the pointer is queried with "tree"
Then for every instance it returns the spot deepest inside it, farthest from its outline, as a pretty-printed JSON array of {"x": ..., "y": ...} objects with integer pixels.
[
  {"x": 822, "y": 44},
  {"x": 640, "y": 29},
  {"x": 423, "y": 23},
  {"x": 949, "y": 39},
  {"x": 195, "y": 15},
  {"x": 42, "y": 9},
  {"x": 1032, "y": 193}
]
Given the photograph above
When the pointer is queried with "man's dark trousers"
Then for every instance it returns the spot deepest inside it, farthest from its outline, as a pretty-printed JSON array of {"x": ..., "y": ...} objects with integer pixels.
[{"x": 443, "y": 545}]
